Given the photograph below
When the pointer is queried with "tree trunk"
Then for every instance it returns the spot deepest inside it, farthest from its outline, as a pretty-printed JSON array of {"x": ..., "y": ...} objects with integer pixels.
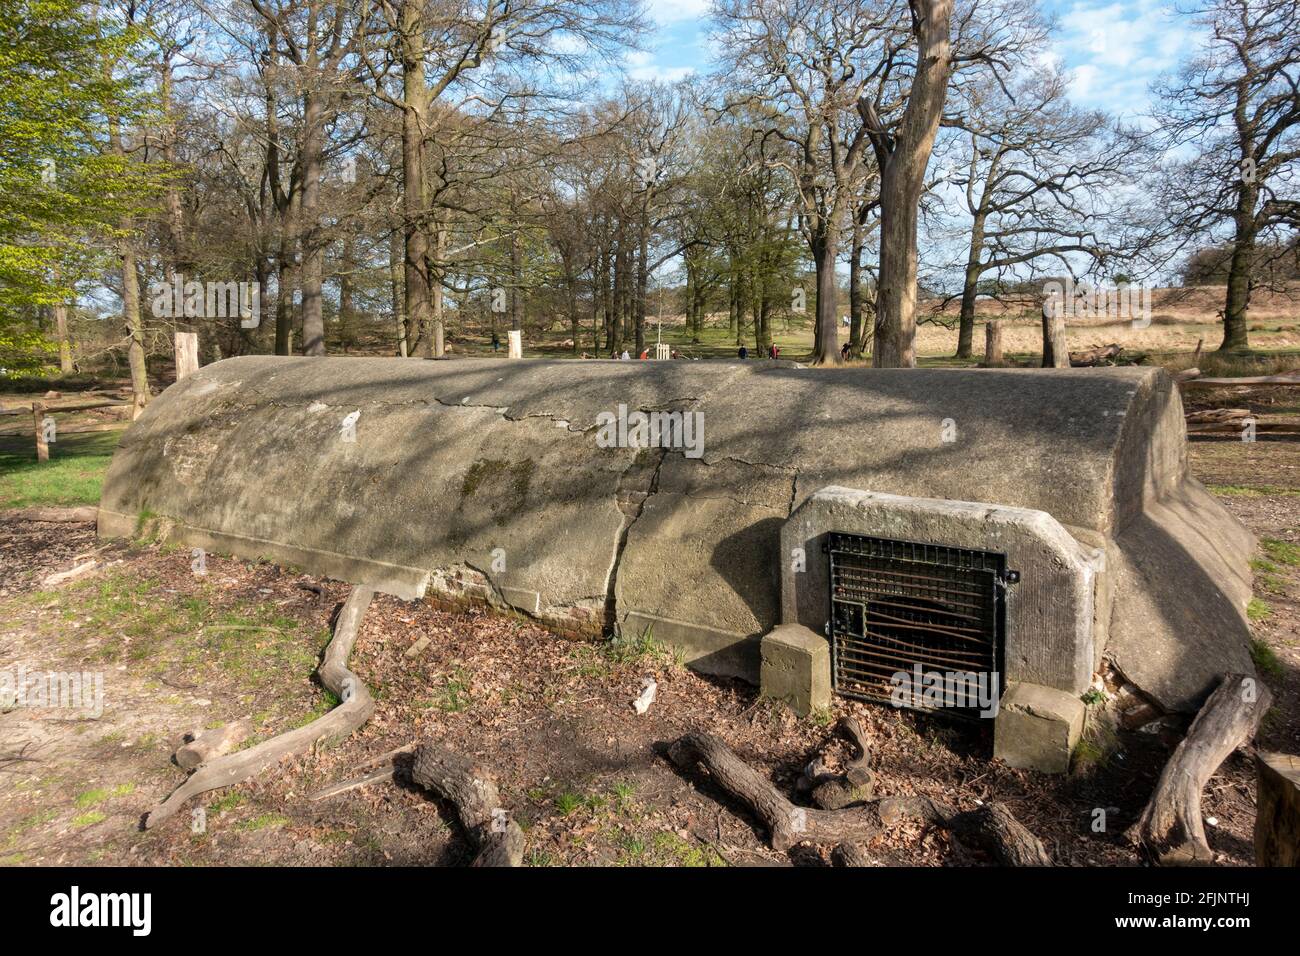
[
  {"x": 1240, "y": 267},
  {"x": 970, "y": 289},
  {"x": 855, "y": 288},
  {"x": 414, "y": 192},
  {"x": 993, "y": 343},
  {"x": 1055, "y": 352},
  {"x": 395, "y": 261},
  {"x": 313, "y": 247},
  {"x": 135, "y": 329},
  {"x": 827, "y": 347},
  {"x": 901, "y": 182},
  {"x": 516, "y": 281},
  {"x": 436, "y": 346}
]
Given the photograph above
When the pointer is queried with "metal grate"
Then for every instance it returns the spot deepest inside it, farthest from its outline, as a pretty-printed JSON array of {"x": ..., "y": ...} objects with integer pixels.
[{"x": 898, "y": 604}]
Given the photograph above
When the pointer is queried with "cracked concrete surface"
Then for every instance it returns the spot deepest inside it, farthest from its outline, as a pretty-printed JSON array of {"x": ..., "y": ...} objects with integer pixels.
[{"x": 490, "y": 469}]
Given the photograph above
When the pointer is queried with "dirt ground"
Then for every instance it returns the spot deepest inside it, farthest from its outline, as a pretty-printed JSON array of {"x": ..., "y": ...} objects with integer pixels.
[{"x": 581, "y": 771}]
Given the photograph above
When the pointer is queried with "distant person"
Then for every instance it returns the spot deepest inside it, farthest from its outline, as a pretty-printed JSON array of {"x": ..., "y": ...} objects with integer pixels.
[
  {"x": 496, "y": 342},
  {"x": 773, "y": 352},
  {"x": 645, "y": 353},
  {"x": 743, "y": 352},
  {"x": 626, "y": 356},
  {"x": 845, "y": 349},
  {"x": 676, "y": 354}
]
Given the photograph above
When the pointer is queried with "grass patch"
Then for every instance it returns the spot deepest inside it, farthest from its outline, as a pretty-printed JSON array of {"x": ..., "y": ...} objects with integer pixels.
[
  {"x": 1258, "y": 610},
  {"x": 1265, "y": 658},
  {"x": 88, "y": 819},
  {"x": 1283, "y": 552},
  {"x": 263, "y": 821},
  {"x": 567, "y": 803},
  {"x": 1254, "y": 491},
  {"x": 74, "y": 475}
]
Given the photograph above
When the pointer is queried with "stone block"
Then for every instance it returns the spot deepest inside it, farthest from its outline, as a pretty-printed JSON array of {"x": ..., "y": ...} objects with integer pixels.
[
  {"x": 796, "y": 668},
  {"x": 1037, "y": 727}
]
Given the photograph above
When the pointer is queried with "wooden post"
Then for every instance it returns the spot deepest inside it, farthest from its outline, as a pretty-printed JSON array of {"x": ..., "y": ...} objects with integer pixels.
[
  {"x": 187, "y": 354},
  {"x": 993, "y": 343},
  {"x": 516, "y": 343},
  {"x": 1055, "y": 352},
  {"x": 38, "y": 417},
  {"x": 1277, "y": 813}
]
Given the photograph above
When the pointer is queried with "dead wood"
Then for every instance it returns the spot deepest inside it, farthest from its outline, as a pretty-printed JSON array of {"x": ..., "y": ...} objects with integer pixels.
[
  {"x": 1086, "y": 358},
  {"x": 1170, "y": 826},
  {"x": 786, "y": 823},
  {"x": 203, "y": 746},
  {"x": 1187, "y": 374},
  {"x": 1285, "y": 378},
  {"x": 851, "y": 855},
  {"x": 334, "y": 789},
  {"x": 1214, "y": 415},
  {"x": 990, "y": 827},
  {"x": 857, "y": 784},
  {"x": 356, "y": 707},
  {"x": 498, "y": 839}
]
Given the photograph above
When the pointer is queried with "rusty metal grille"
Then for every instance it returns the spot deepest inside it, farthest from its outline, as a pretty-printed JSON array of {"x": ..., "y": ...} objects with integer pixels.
[{"x": 897, "y": 604}]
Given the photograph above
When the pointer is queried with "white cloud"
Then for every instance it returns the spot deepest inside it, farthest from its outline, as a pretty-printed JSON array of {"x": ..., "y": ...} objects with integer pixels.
[
  {"x": 675, "y": 11},
  {"x": 1112, "y": 51}
]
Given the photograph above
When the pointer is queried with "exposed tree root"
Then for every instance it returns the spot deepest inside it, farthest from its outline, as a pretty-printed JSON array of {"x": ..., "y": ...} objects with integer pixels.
[
  {"x": 471, "y": 790},
  {"x": 786, "y": 823},
  {"x": 1170, "y": 826},
  {"x": 991, "y": 827},
  {"x": 356, "y": 707}
]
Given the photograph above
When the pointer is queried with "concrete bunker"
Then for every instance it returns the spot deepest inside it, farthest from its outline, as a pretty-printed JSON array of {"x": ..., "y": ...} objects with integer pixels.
[{"x": 487, "y": 480}]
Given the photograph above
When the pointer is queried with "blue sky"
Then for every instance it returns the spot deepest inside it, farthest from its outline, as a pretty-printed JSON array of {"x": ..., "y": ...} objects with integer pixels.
[{"x": 1111, "y": 50}]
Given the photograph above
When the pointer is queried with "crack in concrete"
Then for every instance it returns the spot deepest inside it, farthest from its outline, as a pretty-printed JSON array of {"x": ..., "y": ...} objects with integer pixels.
[{"x": 625, "y": 527}]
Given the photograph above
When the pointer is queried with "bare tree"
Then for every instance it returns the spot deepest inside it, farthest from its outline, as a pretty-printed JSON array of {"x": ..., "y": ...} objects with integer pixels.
[{"x": 1235, "y": 108}]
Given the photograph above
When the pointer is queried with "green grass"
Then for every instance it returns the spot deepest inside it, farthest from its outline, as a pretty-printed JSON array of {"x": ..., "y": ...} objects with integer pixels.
[
  {"x": 74, "y": 475},
  {"x": 1258, "y": 610},
  {"x": 1283, "y": 552},
  {"x": 87, "y": 819},
  {"x": 1265, "y": 658},
  {"x": 265, "y": 821},
  {"x": 566, "y": 803},
  {"x": 1254, "y": 491}
]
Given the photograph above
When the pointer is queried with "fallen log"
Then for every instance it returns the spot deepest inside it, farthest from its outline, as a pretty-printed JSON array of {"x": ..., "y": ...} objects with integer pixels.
[
  {"x": 1213, "y": 415},
  {"x": 355, "y": 709},
  {"x": 1170, "y": 826},
  {"x": 1086, "y": 358},
  {"x": 497, "y": 839},
  {"x": 203, "y": 746},
  {"x": 1285, "y": 378},
  {"x": 990, "y": 827},
  {"x": 1187, "y": 374},
  {"x": 786, "y": 823}
]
